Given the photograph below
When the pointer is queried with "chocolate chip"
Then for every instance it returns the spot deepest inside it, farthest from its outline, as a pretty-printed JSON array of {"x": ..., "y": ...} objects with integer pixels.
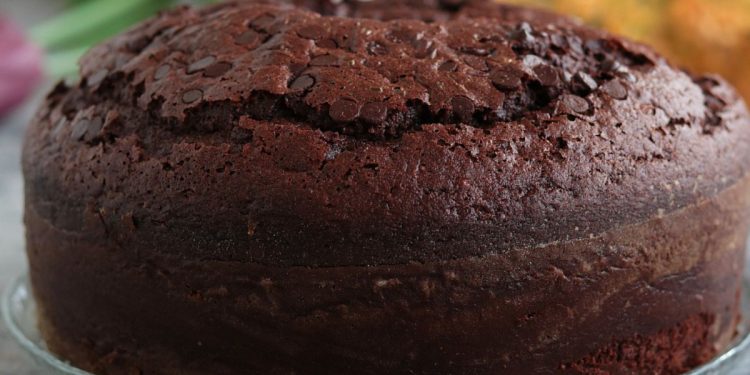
[
  {"x": 217, "y": 70},
  {"x": 532, "y": 61},
  {"x": 111, "y": 122},
  {"x": 558, "y": 41},
  {"x": 248, "y": 37},
  {"x": 403, "y": 35},
  {"x": 377, "y": 49},
  {"x": 628, "y": 76},
  {"x": 423, "y": 48},
  {"x": 421, "y": 43},
  {"x": 344, "y": 110},
  {"x": 583, "y": 84},
  {"x": 97, "y": 77},
  {"x": 201, "y": 64},
  {"x": 448, "y": 66},
  {"x": 611, "y": 65},
  {"x": 575, "y": 44},
  {"x": 327, "y": 44},
  {"x": 522, "y": 33},
  {"x": 575, "y": 103},
  {"x": 296, "y": 67},
  {"x": 302, "y": 83},
  {"x": 374, "y": 112},
  {"x": 614, "y": 67},
  {"x": 615, "y": 89},
  {"x": 162, "y": 72},
  {"x": 325, "y": 60},
  {"x": 707, "y": 83},
  {"x": 263, "y": 22},
  {"x": 566, "y": 76},
  {"x": 79, "y": 129},
  {"x": 138, "y": 44},
  {"x": 713, "y": 103},
  {"x": 93, "y": 129},
  {"x": 476, "y": 51},
  {"x": 463, "y": 107},
  {"x": 476, "y": 62},
  {"x": 547, "y": 75},
  {"x": 506, "y": 78},
  {"x": 191, "y": 96},
  {"x": 313, "y": 32},
  {"x": 86, "y": 129},
  {"x": 59, "y": 126}
]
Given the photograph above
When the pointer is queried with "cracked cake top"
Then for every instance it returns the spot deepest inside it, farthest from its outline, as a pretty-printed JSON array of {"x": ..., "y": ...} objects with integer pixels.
[{"x": 383, "y": 128}]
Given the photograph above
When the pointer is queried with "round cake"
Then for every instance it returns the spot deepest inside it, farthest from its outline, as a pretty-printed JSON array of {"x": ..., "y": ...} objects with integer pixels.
[{"x": 387, "y": 187}]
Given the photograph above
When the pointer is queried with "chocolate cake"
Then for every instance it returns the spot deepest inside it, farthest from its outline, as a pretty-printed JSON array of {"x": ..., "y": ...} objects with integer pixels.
[{"x": 388, "y": 187}]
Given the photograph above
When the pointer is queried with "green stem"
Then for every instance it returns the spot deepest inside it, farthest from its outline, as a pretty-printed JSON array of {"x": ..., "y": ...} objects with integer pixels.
[
  {"x": 93, "y": 21},
  {"x": 68, "y": 36},
  {"x": 63, "y": 63}
]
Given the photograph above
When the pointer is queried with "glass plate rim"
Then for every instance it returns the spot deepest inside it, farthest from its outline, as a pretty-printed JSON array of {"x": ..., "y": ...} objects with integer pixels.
[{"x": 19, "y": 287}]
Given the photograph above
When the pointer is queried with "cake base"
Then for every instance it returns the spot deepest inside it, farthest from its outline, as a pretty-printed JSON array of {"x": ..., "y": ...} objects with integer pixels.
[
  {"x": 20, "y": 316},
  {"x": 664, "y": 292}
]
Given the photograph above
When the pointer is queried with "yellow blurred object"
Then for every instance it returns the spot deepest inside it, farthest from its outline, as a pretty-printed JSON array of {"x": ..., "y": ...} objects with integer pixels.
[{"x": 702, "y": 35}]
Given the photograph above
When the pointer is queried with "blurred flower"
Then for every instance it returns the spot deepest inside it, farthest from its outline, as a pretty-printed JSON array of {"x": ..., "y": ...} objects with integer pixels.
[
  {"x": 55, "y": 45},
  {"x": 20, "y": 66}
]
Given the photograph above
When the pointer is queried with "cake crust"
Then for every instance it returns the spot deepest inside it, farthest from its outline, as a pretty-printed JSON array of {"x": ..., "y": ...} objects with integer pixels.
[{"x": 372, "y": 191}]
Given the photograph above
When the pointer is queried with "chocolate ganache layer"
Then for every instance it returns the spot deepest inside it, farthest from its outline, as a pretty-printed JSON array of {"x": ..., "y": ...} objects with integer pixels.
[{"x": 402, "y": 186}]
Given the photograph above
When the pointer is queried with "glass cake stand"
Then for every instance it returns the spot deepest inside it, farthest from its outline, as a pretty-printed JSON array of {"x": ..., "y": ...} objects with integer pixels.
[{"x": 19, "y": 315}]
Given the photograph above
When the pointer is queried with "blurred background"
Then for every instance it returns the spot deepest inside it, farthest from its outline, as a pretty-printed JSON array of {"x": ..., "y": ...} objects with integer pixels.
[{"x": 41, "y": 40}]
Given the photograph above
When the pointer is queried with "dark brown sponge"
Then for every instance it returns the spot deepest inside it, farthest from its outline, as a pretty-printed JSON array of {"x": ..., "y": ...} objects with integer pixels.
[{"x": 399, "y": 186}]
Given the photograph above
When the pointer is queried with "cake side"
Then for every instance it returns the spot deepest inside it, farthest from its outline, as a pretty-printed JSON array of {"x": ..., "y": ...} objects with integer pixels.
[{"x": 667, "y": 288}]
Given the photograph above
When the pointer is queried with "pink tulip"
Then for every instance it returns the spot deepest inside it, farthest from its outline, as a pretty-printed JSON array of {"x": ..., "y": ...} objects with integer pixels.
[{"x": 20, "y": 66}]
